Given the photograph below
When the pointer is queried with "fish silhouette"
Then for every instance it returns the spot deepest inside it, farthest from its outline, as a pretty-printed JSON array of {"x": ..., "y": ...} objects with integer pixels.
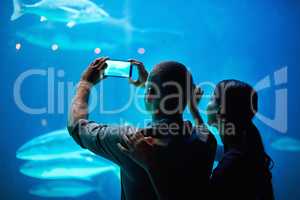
[
  {"x": 68, "y": 11},
  {"x": 77, "y": 167}
]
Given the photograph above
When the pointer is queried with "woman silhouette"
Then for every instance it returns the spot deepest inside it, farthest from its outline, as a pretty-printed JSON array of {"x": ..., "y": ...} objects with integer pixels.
[{"x": 244, "y": 171}]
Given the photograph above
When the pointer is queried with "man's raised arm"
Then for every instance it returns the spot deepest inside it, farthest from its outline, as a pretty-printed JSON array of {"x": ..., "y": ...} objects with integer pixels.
[
  {"x": 102, "y": 139},
  {"x": 79, "y": 107}
]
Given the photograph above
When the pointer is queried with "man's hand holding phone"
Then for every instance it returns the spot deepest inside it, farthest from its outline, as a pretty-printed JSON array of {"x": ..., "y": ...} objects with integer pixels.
[
  {"x": 103, "y": 67},
  {"x": 142, "y": 73},
  {"x": 95, "y": 71}
]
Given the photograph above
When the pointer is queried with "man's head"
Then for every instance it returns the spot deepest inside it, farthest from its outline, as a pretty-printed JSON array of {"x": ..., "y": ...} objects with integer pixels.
[{"x": 168, "y": 88}]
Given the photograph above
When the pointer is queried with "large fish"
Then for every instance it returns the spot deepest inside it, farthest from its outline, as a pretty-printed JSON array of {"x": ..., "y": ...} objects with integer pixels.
[
  {"x": 80, "y": 167},
  {"x": 62, "y": 188},
  {"x": 45, "y": 35},
  {"x": 108, "y": 38},
  {"x": 69, "y": 11},
  {"x": 56, "y": 144}
]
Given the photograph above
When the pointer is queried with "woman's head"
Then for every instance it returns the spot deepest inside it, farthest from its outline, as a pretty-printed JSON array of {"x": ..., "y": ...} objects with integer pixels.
[
  {"x": 232, "y": 101},
  {"x": 235, "y": 102}
]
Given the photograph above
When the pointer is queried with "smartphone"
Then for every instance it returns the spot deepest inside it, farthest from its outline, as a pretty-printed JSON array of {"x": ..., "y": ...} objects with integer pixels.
[{"x": 118, "y": 68}]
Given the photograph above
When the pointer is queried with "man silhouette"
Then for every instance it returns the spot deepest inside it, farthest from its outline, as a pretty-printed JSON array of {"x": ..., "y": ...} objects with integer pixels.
[{"x": 184, "y": 154}]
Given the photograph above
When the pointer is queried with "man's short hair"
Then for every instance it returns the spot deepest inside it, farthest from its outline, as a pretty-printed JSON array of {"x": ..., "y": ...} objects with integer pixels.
[{"x": 175, "y": 84}]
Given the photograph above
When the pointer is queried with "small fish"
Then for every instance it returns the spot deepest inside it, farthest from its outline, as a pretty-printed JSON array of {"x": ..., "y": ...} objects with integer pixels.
[
  {"x": 56, "y": 144},
  {"x": 68, "y": 11},
  {"x": 80, "y": 167},
  {"x": 62, "y": 188},
  {"x": 286, "y": 144},
  {"x": 43, "y": 19}
]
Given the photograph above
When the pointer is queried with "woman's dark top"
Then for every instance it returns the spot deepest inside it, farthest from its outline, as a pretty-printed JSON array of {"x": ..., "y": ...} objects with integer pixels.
[{"x": 240, "y": 176}]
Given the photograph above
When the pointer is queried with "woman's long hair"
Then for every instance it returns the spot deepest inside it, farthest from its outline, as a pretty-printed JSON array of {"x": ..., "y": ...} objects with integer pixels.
[{"x": 238, "y": 104}]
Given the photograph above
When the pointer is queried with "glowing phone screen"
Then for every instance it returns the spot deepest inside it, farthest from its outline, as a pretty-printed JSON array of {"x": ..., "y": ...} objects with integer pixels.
[{"x": 118, "y": 68}]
